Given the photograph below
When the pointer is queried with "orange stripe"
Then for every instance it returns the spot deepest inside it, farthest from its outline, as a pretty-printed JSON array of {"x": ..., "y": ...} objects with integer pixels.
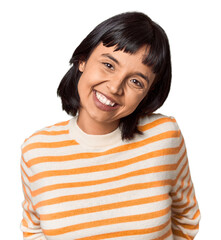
[
  {"x": 181, "y": 234},
  {"x": 188, "y": 226},
  {"x": 64, "y": 123},
  {"x": 179, "y": 189},
  {"x": 23, "y": 172},
  {"x": 126, "y": 147},
  {"x": 107, "y": 180},
  {"x": 144, "y": 171},
  {"x": 28, "y": 211},
  {"x": 178, "y": 163},
  {"x": 25, "y": 202},
  {"x": 186, "y": 210},
  {"x": 75, "y": 197},
  {"x": 104, "y": 207},
  {"x": 185, "y": 225},
  {"x": 29, "y": 202},
  {"x": 178, "y": 177},
  {"x": 155, "y": 123},
  {"x": 129, "y": 233},
  {"x": 50, "y": 133},
  {"x": 27, "y": 199},
  {"x": 182, "y": 156},
  {"x": 105, "y": 167},
  {"x": 180, "y": 199},
  {"x": 167, "y": 234},
  {"x": 23, "y": 160},
  {"x": 49, "y": 145},
  {"x": 187, "y": 201},
  {"x": 27, "y": 234},
  {"x": 197, "y": 214},
  {"x": 24, "y": 223},
  {"x": 23, "y": 182},
  {"x": 103, "y": 222},
  {"x": 30, "y": 218}
]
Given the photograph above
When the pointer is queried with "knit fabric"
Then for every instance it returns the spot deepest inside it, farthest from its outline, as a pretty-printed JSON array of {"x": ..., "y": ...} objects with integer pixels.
[{"x": 79, "y": 186}]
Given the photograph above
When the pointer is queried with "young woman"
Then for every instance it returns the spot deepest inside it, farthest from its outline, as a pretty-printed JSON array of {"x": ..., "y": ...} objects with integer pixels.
[{"x": 115, "y": 170}]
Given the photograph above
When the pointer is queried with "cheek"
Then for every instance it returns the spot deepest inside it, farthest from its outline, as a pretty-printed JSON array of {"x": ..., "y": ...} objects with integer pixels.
[
  {"x": 134, "y": 100},
  {"x": 132, "y": 103},
  {"x": 84, "y": 81},
  {"x": 90, "y": 78},
  {"x": 82, "y": 88}
]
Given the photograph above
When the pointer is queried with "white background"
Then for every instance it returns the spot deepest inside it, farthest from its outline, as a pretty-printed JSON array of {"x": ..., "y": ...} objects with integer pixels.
[{"x": 37, "y": 40}]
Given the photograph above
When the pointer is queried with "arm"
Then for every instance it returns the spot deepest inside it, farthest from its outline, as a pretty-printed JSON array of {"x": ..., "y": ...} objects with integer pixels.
[
  {"x": 185, "y": 211},
  {"x": 30, "y": 224}
]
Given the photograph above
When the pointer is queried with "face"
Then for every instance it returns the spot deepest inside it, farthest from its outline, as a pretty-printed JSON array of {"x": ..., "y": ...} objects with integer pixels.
[{"x": 111, "y": 86}]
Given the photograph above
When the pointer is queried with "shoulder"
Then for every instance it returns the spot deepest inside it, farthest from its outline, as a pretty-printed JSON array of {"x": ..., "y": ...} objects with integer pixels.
[
  {"x": 47, "y": 134},
  {"x": 158, "y": 122},
  {"x": 160, "y": 131},
  {"x": 160, "y": 128}
]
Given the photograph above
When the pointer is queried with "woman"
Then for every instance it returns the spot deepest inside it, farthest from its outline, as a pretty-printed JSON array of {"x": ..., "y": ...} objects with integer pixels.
[{"x": 116, "y": 170}]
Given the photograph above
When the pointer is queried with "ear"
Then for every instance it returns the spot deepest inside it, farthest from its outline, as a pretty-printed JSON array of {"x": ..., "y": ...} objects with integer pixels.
[{"x": 81, "y": 66}]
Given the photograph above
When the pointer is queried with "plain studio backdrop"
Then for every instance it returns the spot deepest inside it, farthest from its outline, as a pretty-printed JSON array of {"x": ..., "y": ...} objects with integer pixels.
[{"x": 37, "y": 41}]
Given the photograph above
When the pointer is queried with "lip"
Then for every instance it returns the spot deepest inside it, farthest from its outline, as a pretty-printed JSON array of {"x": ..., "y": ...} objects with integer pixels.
[{"x": 102, "y": 106}]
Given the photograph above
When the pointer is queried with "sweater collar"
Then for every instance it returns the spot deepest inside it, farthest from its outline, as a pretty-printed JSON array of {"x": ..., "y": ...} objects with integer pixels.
[{"x": 90, "y": 140}]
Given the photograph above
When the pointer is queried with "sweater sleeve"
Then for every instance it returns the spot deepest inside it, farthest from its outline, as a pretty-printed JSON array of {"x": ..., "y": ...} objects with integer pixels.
[
  {"x": 30, "y": 224},
  {"x": 185, "y": 210}
]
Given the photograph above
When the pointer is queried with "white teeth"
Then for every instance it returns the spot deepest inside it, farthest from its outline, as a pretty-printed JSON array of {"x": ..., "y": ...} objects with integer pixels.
[{"x": 104, "y": 100}]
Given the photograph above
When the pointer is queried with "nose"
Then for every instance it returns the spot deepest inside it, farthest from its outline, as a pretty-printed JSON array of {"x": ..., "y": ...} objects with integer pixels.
[{"x": 115, "y": 86}]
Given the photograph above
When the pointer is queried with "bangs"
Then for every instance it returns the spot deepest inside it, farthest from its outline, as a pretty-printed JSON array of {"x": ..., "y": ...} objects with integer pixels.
[{"x": 129, "y": 40}]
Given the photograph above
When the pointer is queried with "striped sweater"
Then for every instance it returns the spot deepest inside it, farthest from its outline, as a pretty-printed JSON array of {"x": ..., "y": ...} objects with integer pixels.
[{"x": 79, "y": 186}]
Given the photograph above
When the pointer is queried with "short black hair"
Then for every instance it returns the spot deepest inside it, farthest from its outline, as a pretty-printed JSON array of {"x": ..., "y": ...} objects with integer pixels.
[{"x": 127, "y": 32}]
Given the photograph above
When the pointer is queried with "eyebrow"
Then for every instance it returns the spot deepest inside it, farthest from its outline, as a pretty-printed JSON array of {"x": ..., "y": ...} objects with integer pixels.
[
  {"x": 143, "y": 76},
  {"x": 116, "y": 61},
  {"x": 110, "y": 57}
]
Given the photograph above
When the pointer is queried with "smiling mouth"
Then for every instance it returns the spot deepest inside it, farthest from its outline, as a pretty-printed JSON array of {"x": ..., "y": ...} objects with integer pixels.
[{"x": 104, "y": 100}]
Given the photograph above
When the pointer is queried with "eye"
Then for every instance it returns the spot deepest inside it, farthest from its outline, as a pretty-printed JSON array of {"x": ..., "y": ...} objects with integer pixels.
[
  {"x": 108, "y": 65},
  {"x": 136, "y": 83}
]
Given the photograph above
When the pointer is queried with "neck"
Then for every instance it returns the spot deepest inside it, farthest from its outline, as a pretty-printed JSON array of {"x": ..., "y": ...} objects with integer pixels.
[{"x": 96, "y": 128}]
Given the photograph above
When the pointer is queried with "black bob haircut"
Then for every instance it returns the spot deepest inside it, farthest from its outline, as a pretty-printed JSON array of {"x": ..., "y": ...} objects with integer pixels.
[{"x": 127, "y": 32}]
